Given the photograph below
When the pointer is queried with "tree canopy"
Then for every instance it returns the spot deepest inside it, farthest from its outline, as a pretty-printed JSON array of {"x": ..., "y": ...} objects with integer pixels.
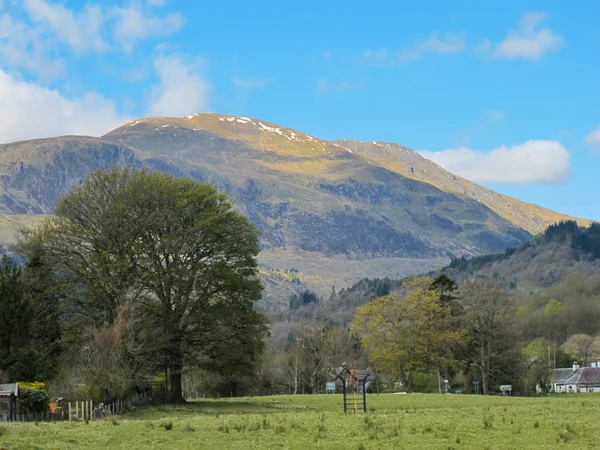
[
  {"x": 409, "y": 334},
  {"x": 171, "y": 252}
]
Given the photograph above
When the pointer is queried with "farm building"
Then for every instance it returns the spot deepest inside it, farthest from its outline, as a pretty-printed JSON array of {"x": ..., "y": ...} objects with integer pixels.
[
  {"x": 576, "y": 379},
  {"x": 8, "y": 401}
]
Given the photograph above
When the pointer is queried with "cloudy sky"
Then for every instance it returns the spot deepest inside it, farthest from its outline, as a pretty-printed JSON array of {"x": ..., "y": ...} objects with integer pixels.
[{"x": 501, "y": 93}]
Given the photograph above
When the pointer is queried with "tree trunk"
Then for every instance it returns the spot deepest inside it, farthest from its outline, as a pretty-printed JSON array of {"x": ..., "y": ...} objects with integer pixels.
[
  {"x": 176, "y": 395},
  {"x": 295, "y": 383},
  {"x": 408, "y": 384},
  {"x": 484, "y": 381}
]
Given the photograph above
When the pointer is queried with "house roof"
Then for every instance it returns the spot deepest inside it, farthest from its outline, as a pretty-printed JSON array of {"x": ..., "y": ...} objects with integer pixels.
[
  {"x": 563, "y": 376},
  {"x": 583, "y": 375},
  {"x": 589, "y": 375}
]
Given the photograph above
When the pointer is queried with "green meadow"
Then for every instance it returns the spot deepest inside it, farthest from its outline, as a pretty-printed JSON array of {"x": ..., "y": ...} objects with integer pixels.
[{"x": 317, "y": 421}]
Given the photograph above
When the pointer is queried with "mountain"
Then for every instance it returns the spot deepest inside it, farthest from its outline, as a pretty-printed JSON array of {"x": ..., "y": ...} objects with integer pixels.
[{"x": 333, "y": 211}]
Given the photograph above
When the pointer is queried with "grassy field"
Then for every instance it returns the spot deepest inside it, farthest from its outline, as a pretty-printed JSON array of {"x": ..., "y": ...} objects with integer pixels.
[{"x": 287, "y": 422}]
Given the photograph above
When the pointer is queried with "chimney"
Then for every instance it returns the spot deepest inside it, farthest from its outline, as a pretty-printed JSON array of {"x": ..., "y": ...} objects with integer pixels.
[{"x": 575, "y": 366}]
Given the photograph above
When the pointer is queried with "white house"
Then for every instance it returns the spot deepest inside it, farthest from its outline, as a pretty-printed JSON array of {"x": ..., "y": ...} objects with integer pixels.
[{"x": 576, "y": 379}]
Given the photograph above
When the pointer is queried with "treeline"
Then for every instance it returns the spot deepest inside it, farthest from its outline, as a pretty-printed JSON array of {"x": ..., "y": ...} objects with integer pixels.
[
  {"x": 475, "y": 331},
  {"x": 138, "y": 278},
  {"x": 339, "y": 306},
  {"x": 584, "y": 241},
  {"x": 477, "y": 262}
]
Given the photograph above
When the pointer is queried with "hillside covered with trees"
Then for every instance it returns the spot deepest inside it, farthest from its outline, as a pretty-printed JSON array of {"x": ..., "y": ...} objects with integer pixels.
[{"x": 563, "y": 249}]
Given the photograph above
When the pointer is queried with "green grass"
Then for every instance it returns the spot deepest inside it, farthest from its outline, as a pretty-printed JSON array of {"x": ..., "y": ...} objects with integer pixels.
[{"x": 393, "y": 421}]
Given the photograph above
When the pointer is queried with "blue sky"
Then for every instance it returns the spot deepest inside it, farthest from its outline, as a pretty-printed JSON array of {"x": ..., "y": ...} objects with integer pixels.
[{"x": 503, "y": 93}]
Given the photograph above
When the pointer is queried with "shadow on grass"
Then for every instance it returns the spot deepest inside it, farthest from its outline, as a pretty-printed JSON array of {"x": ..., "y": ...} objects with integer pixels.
[{"x": 211, "y": 407}]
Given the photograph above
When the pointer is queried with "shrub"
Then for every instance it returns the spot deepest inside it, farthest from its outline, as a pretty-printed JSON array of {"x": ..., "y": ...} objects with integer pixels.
[
  {"x": 32, "y": 399},
  {"x": 39, "y": 385}
]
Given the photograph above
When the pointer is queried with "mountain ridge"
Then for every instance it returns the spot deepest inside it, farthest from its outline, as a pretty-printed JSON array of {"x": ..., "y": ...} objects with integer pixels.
[
  {"x": 448, "y": 182},
  {"x": 336, "y": 211}
]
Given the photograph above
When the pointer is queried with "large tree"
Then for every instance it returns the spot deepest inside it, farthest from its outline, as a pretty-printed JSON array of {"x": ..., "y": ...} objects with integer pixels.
[
  {"x": 583, "y": 347},
  {"x": 172, "y": 249},
  {"x": 410, "y": 334},
  {"x": 489, "y": 314}
]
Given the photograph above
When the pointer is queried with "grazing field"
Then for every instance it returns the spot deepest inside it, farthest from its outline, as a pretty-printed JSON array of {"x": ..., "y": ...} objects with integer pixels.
[{"x": 316, "y": 421}]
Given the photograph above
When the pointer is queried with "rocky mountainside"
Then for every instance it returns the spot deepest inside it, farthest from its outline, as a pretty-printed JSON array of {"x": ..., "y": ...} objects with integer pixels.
[{"x": 334, "y": 211}]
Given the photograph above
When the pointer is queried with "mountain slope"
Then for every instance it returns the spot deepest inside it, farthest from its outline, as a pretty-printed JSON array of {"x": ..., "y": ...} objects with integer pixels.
[
  {"x": 334, "y": 211},
  {"x": 562, "y": 250},
  {"x": 394, "y": 157}
]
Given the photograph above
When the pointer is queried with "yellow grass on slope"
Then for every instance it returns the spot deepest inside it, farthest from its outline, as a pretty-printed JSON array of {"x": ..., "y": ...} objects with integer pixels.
[{"x": 320, "y": 158}]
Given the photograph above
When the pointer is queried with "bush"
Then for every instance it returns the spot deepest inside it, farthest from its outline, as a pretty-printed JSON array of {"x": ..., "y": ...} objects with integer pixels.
[
  {"x": 39, "y": 385},
  {"x": 425, "y": 383},
  {"x": 32, "y": 399}
]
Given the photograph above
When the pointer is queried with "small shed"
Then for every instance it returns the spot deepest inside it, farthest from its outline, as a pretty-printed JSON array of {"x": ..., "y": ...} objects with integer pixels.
[{"x": 8, "y": 401}]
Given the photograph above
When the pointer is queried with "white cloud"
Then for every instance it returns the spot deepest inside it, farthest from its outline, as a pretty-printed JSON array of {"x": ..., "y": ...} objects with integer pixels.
[
  {"x": 449, "y": 44},
  {"x": 24, "y": 47},
  {"x": 593, "y": 138},
  {"x": 44, "y": 28},
  {"x": 132, "y": 24},
  {"x": 535, "y": 161},
  {"x": 28, "y": 111},
  {"x": 181, "y": 90},
  {"x": 80, "y": 31},
  {"x": 530, "y": 42}
]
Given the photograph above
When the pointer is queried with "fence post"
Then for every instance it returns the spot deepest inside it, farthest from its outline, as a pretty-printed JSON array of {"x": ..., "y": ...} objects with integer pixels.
[
  {"x": 70, "y": 412},
  {"x": 92, "y": 409}
]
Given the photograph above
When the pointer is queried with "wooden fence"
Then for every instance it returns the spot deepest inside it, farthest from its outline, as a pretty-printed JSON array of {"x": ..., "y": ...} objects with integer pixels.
[{"x": 80, "y": 411}]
